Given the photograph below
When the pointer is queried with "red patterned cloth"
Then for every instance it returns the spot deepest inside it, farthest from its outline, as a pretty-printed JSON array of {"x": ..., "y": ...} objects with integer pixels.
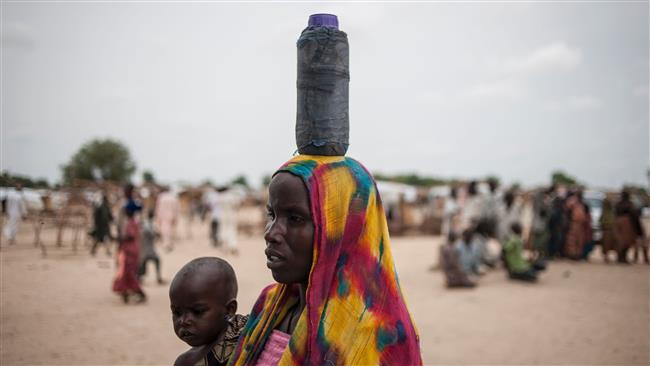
[{"x": 128, "y": 260}]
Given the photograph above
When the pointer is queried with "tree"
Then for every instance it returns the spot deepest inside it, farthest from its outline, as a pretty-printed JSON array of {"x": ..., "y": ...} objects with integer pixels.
[
  {"x": 560, "y": 177},
  {"x": 493, "y": 178},
  {"x": 266, "y": 180},
  {"x": 10, "y": 180},
  {"x": 148, "y": 177},
  {"x": 100, "y": 159},
  {"x": 515, "y": 187},
  {"x": 207, "y": 182},
  {"x": 240, "y": 180},
  {"x": 411, "y": 179}
]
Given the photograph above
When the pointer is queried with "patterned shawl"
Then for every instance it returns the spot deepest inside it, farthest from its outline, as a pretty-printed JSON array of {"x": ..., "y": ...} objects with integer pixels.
[{"x": 355, "y": 313}]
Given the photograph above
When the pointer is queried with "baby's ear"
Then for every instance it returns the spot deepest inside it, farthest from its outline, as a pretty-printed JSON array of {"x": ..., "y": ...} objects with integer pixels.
[{"x": 231, "y": 307}]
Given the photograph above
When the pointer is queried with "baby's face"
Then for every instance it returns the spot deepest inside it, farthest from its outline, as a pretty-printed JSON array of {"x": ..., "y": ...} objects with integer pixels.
[{"x": 198, "y": 310}]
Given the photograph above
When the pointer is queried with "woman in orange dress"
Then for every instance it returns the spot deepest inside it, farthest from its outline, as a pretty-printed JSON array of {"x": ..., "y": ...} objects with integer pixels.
[{"x": 579, "y": 227}]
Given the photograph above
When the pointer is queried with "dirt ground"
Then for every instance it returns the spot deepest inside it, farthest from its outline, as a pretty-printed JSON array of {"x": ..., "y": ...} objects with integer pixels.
[{"x": 59, "y": 310}]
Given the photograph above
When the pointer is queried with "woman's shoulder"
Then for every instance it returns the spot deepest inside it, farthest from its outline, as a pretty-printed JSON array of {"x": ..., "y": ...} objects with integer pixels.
[
  {"x": 269, "y": 289},
  {"x": 261, "y": 299}
]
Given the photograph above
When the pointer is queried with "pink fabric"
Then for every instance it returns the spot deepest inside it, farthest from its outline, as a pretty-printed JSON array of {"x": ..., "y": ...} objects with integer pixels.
[{"x": 275, "y": 346}]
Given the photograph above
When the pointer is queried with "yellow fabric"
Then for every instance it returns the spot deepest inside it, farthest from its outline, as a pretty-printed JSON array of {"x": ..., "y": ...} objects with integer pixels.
[{"x": 355, "y": 313}]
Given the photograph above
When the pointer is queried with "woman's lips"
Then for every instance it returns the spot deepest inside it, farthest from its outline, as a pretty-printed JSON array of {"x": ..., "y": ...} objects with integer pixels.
[{"x": 273, "y": 259}]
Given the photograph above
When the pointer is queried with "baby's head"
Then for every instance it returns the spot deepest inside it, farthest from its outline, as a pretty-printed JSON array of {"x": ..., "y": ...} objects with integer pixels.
[{"x": 203, "y": 295}]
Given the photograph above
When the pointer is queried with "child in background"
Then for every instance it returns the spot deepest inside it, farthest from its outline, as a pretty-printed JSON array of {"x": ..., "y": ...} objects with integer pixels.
[
  {"x": 126, "y": 282},
  {"x": 148, "y": 252},
  {"x": 203, "y": 297}
]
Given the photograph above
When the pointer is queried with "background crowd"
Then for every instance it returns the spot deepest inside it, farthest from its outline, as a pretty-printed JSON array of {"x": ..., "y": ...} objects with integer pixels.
[
  {"x": 524, "y": 231},
  {"x": 483, "y": 225}
]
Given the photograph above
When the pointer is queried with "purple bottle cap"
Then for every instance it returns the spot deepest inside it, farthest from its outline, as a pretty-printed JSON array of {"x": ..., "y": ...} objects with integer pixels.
[{"x": 323, "y": 20}]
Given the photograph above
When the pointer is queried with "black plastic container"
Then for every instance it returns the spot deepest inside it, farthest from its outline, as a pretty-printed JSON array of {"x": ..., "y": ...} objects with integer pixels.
[{"x": 322, "y": 119}]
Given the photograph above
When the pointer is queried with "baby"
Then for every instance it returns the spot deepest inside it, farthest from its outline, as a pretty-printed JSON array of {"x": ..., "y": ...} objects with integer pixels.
[{"x": 203, "y": 297}]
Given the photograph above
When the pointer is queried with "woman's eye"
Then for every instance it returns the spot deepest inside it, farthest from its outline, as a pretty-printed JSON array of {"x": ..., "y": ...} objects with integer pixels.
[
  {"x": 198, "y": 312},
  {"x": 270, "y": 215},
  {"x": 296, "y": 219}
]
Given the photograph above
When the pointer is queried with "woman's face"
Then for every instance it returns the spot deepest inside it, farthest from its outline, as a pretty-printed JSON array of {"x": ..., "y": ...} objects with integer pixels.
[{"x": 289, "y": 232}]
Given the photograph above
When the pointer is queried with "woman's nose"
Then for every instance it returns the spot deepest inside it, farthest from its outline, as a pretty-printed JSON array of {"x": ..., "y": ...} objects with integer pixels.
[{"x": 274, "y": 231}]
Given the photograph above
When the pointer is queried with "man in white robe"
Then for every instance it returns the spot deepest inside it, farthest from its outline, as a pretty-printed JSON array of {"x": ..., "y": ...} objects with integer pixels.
[
  {"x": 16, "y": 210},
  {"x": 228, "y": 203},
  {"x": 167, "y": 211}
]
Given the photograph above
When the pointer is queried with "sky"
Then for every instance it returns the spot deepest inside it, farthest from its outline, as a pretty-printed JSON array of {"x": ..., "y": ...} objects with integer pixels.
[{"x": 207, "y": 90}]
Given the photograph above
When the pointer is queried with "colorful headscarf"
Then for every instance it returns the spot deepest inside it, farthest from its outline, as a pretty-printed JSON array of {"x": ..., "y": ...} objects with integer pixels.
[{"x": 355, "y": 313}]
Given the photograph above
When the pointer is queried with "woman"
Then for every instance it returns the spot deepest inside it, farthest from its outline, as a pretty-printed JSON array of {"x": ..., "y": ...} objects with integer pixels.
[
  {"x": 337, "y": 300},
  {"x": 627, "y": 227},
  {"x": 126, "y": 281},
  {"x": 579, "y": 232},
  {"x": 607, "y": 221}
]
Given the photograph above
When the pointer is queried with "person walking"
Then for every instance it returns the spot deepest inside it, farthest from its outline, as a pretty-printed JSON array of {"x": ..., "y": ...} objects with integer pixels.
[
  {"x": 166, "y": 213},
  {"x": 227, "y": 203},
  {"x": 16, "y": 211},
  {"x": 211, "y": 201},
  {"x": 148, "y": 252},
  {"x": 102, "y": 218},
  {"x": 126, "y": 282}
]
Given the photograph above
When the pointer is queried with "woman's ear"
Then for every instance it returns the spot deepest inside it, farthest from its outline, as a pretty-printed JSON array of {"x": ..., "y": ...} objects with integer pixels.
[{"x": 231, "y": 307}]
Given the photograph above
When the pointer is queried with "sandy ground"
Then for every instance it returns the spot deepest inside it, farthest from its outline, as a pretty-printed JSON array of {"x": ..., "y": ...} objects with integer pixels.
[{"x": 59, "y": 310}]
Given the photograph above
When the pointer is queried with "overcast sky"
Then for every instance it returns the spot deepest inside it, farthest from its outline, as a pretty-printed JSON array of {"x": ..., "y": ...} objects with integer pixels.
[{"x": 207, "y": 90}]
